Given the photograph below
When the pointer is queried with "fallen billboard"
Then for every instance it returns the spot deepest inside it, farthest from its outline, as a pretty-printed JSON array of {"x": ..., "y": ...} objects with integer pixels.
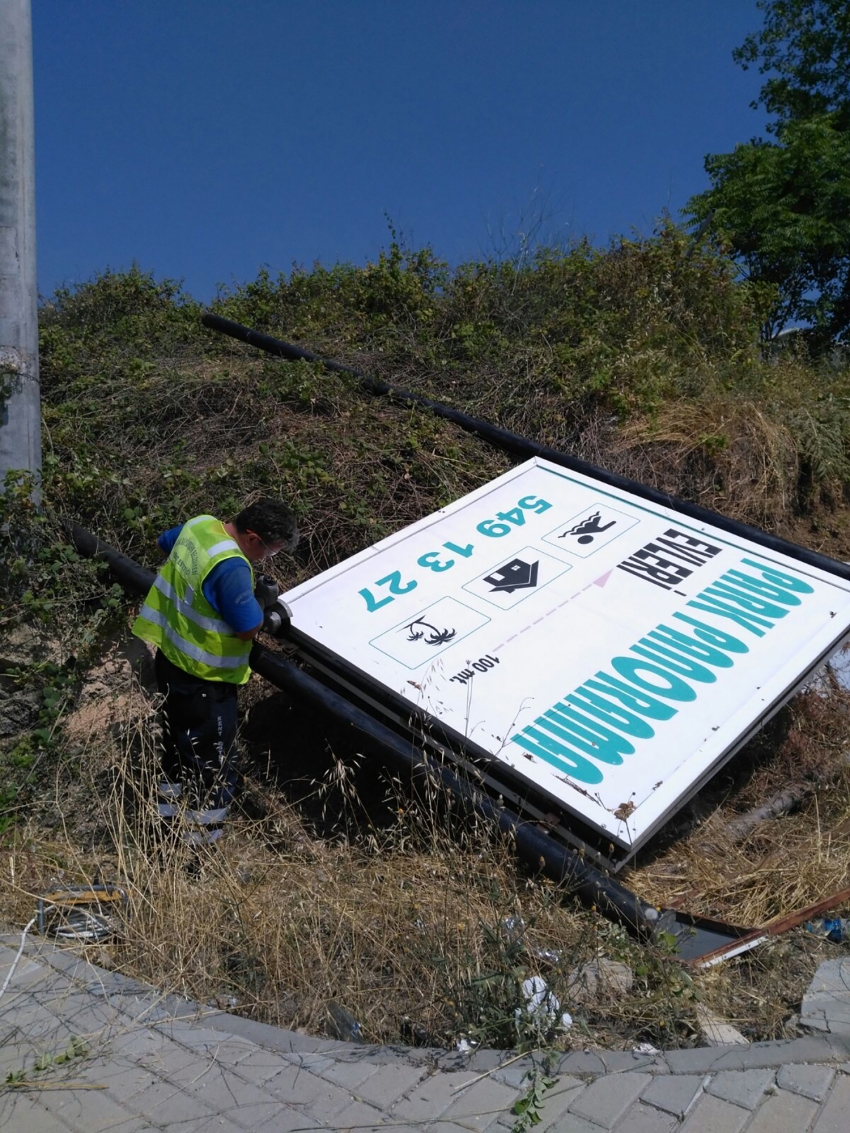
[{"x": 606, "y": 651}]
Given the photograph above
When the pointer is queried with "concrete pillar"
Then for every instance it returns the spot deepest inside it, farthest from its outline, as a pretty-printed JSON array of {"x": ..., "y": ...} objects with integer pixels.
[{"x": 20, "y": 403}]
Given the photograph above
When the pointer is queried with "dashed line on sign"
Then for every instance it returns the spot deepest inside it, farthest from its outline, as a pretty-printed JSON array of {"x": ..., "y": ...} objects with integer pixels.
[{"x": 596, "y": 582}]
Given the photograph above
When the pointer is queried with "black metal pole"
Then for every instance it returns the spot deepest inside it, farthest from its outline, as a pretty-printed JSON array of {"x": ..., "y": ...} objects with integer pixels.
[
  {"x": 532, "y": 843},
  {"x": 129, "y": 571},
  {"x": 522, "y": 447}
]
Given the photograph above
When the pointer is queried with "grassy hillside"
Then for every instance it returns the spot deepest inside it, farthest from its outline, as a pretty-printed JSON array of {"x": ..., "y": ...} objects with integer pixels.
[
  {"x": 646, "y": 353},
  {"x": 643, "y": 357}
]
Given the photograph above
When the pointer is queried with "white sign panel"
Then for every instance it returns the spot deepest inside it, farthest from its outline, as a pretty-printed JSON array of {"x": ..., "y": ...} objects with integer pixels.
[{"x": 607, "y": 649}]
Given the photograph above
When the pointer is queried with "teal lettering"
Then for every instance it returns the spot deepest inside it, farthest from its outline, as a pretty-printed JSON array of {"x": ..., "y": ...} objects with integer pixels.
[
  {"x": 714, "y": 636},
  {"x": 686, "y": 644},
  {"x": 676, "y": 662},
  {"x": 630, "y": 697},
  {"x": 761, "y": 587},
  {"x": 585, "y": 734},
  {"x": 779, "y": 578},
  {"x": 558, "y": 756},
  {"x": 676, "y": 688},
  {"x": 746, "y": 601},
  {"x": 713, "y": 606},
  {"x": 611, "y": 713}
]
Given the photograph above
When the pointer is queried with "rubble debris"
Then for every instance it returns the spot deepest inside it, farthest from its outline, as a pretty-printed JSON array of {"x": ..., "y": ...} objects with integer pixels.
[
  {"x": 773, "y": 928},
  {"x": 716, "y": 1031},
  {"x": 600, "y": 978},
  {"x": 825, "y": 1004}
]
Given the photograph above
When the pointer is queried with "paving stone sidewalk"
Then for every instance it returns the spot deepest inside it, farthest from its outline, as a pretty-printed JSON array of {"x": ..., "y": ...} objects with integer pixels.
[{"x": 89, "y": 1051}]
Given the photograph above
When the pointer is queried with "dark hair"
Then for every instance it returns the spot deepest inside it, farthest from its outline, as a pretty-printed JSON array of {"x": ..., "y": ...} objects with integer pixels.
[{"x": 272, "y": 520}]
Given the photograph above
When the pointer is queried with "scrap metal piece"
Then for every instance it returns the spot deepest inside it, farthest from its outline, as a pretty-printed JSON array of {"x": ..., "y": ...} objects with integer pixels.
[
  {"x": 87, "y": 912},
  {"x": 699, "y": 937},
  {"x": 752, "y": 938}
]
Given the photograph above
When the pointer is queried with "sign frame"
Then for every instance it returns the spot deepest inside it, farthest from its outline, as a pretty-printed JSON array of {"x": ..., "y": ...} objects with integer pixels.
[{"x": 426, "y": 727}]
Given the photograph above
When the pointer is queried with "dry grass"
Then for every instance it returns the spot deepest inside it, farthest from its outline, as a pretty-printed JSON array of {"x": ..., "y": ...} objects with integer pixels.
[
  {"x": 725, "y": 453},
  {"x": 420, "y": 923},
  {"x": 787, "y": 862}
]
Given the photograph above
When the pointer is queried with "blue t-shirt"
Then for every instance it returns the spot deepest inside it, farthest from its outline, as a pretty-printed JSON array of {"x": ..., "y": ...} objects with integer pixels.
[{"x": 227, "y": 587}]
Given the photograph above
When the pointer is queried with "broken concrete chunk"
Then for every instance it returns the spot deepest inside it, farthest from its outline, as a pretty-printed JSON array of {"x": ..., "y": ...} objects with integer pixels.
[
  {"x": 599, "y": 979},
  {"x": 826, "y": 1004},
  {"x": 716, "y": 1031}
]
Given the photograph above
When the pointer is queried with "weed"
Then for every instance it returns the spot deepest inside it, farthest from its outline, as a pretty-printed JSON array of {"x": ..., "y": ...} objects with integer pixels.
[
  {"x": 22, "y": 1078},
  {"x": 528, "y": 1108}
]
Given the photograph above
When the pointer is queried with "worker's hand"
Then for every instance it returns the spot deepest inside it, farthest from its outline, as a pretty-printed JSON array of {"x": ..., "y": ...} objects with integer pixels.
[
  {"x": 277, "y": 619},
  {"x": 266, "y": 591}
]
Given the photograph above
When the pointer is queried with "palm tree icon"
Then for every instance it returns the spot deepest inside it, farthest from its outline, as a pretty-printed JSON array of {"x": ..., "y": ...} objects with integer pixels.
[{"x": 435, "y": 637}]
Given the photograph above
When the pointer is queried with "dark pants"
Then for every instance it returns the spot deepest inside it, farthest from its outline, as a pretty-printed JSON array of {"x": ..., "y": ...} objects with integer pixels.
[{"x": 199, "y": 761}]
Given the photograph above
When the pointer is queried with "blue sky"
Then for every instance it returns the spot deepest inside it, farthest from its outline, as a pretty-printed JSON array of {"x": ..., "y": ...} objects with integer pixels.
[{"x": 206, "y": 138}]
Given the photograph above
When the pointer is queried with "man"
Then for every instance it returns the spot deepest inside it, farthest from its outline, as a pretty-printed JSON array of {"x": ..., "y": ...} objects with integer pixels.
[{"x": 202, "y": 613}]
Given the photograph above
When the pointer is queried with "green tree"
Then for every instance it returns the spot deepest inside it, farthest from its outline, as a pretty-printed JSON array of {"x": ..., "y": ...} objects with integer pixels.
[
  {"x": 804, "y": 47},
  {"x": 783, "y": 206}
]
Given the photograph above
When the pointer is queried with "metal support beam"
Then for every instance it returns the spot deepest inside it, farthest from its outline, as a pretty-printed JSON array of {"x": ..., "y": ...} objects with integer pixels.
[{"x": 20, "y": 402}]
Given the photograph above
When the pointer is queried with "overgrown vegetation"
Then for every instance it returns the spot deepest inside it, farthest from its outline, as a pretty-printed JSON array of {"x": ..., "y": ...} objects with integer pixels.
[
  {"x": 782, "y": 206},
  {"x": 646, "y": 351},
  {"x": 643, "y": 357}
]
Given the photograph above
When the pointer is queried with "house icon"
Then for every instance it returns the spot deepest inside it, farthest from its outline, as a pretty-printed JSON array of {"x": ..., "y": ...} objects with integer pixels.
[{"x": 515, "y": 575}]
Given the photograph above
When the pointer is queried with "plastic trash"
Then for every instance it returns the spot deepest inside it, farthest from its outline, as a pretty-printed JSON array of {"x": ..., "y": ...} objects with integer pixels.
[
  {"x": 833, "y": 928},
  {"x": 542, "y": 1006},
  {"x": 343, "y": 1024}
]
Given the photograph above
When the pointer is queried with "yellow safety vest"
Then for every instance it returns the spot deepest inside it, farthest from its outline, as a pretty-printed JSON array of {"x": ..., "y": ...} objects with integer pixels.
[{"x": 178, "y": 619}]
